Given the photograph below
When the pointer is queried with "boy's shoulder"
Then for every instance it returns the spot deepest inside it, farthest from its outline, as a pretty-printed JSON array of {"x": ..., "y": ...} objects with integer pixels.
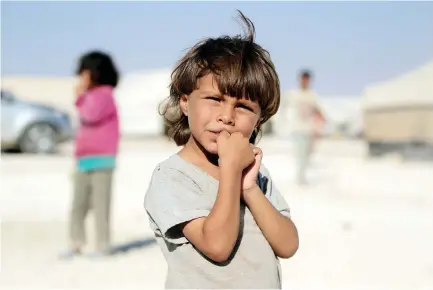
[
  {"x": 174, "y": 163},
  {"x": 174, "y": 170},
  {"x": 172, "y": 181}
]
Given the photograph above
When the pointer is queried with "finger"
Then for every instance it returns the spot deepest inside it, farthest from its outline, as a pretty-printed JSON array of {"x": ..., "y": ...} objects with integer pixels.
[
  {"x": 257, "y": 151},
  {"x": 224, "y": 134},
  {"x": 253, "y": 149},
  {"x": 258, "y": 155}
]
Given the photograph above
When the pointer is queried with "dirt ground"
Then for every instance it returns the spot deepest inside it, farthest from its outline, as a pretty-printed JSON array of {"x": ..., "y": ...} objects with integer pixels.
[{"x": 364, "y": 224}]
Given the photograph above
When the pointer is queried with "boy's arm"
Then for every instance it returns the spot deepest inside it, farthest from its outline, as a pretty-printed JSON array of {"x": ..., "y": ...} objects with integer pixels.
[
  {"x": 216, "y": 235},
  {"x": 279, "y": 230}
]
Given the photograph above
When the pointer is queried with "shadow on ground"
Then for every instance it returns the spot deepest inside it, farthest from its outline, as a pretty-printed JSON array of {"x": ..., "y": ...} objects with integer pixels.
[{"x": 133, "y": 245}]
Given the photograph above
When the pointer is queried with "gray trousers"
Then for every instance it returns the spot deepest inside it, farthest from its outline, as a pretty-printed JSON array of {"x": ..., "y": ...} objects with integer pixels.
[
  {"x": 303, "y": 144},
  {"x": 91, "y": 190}
]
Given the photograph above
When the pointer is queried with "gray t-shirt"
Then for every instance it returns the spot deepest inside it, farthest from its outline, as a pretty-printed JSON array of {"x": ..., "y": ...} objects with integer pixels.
[{"x": 180, "y": 191}]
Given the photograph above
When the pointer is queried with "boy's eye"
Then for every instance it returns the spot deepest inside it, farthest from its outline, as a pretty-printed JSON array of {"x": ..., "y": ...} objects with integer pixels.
[
  {"x": 213, "y": 99},
  {"x": 245, "y": 107}
]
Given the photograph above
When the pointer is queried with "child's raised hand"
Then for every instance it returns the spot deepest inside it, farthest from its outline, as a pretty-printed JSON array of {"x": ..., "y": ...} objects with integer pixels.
[
  {"x": 79, "y": 90},
  {"x": 249, "y": 179},
  {"x": 234, "y": 150},
  {"x": 83, "y": 83}
]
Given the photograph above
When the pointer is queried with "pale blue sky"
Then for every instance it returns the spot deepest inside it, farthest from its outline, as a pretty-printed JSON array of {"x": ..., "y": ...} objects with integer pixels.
[{"x": 348, "y": 45}]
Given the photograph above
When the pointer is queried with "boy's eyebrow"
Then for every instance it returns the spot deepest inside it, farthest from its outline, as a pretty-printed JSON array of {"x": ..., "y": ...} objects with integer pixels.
[
  {"x": 249, "y": 103},
  {"x": 213, "y": 93}
]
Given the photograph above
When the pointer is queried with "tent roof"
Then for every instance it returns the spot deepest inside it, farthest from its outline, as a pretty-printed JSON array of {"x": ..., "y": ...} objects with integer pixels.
[
  {"x": 151, "y": 85},
  {"x": 412, "y": 88}
]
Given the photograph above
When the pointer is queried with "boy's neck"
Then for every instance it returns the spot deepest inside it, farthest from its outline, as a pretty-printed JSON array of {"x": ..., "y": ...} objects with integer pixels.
[{"x": 195, "y": 153}]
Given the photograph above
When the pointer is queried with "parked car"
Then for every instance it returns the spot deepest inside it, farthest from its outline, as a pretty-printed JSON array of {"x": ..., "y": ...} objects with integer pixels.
[{"x": 31, "y": 127}]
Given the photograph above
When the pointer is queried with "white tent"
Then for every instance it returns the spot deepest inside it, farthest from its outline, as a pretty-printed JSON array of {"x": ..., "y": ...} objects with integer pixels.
[
  {"x": 412, "y": 88},
  {"x": 400, "y": 110},
  {"x": 138, "y": 97}
]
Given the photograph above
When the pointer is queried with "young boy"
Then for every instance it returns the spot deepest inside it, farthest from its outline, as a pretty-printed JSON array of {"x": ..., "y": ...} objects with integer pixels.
[{"x": 216, "y": 214}]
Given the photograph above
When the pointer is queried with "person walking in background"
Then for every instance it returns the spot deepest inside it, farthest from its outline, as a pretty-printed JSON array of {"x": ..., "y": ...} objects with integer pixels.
[
  {"x": 96, "y": 146},
  {"x": 306, "y": 120}
]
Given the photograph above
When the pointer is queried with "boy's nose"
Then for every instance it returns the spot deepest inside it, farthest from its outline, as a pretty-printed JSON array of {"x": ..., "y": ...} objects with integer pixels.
[
  {"x": 226, "y": 120},
  {"x": 227, "y": 117}
]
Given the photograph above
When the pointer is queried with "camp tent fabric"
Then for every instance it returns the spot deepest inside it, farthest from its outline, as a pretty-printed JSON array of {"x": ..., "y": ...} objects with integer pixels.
[
  {"x": 400, "y": 110},
  {"x": 412, "y": 88},
  {"x": 138, "y": 97}
]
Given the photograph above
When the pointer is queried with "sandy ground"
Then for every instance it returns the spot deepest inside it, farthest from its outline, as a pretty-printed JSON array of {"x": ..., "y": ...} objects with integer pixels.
[{"x": 363, "y": 224}]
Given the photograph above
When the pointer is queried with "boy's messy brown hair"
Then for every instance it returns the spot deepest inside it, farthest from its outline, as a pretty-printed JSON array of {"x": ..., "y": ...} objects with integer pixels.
[{"x": 241, "y": 68}]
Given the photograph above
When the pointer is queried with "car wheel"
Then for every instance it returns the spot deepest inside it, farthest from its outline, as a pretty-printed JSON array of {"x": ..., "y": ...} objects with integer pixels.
[{"x": 39, "y": 138}]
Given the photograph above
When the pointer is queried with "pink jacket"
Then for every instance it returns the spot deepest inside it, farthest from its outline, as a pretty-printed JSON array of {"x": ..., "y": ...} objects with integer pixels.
[{"x": 98, "y": 133}]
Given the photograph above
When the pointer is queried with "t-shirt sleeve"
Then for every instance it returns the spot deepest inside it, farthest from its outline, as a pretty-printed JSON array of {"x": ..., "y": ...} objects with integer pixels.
[
  {"x": 174, "y": 198},
  {"x": 272, "y": 193}
]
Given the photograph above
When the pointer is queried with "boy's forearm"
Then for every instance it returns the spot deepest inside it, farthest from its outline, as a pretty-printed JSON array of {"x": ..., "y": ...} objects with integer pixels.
[
  {"x": 279, "y": 230},
  {"x": 221, "y": 227}
]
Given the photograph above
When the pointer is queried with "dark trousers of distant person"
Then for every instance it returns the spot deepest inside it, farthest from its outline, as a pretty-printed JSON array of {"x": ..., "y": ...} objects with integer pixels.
[{"x": 92, "y": 189}]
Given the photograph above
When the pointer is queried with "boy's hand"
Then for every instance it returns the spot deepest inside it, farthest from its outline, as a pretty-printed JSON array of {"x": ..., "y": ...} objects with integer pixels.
[
  {"x": 234, "y": 151},
  {"x": 249, "y": 180}
]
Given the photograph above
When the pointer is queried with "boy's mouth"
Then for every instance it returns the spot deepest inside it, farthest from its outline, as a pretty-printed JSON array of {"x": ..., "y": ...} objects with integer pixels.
[{"x": 218, "y": 132}]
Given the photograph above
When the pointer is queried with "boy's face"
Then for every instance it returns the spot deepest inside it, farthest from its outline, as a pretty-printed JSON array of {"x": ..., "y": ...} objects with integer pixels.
[{"x": 209, "y": 113}]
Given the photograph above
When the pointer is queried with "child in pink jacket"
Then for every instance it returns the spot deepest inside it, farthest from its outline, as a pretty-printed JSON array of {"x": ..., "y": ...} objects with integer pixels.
[{"x": 96, "y": 146}]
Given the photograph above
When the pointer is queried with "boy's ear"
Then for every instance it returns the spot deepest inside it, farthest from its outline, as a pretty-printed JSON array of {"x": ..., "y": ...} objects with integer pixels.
[{"x": 184, "y": 104}]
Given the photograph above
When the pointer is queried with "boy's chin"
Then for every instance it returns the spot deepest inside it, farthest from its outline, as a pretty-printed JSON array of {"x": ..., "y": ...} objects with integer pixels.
[{"x": 211, "y": 148}]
